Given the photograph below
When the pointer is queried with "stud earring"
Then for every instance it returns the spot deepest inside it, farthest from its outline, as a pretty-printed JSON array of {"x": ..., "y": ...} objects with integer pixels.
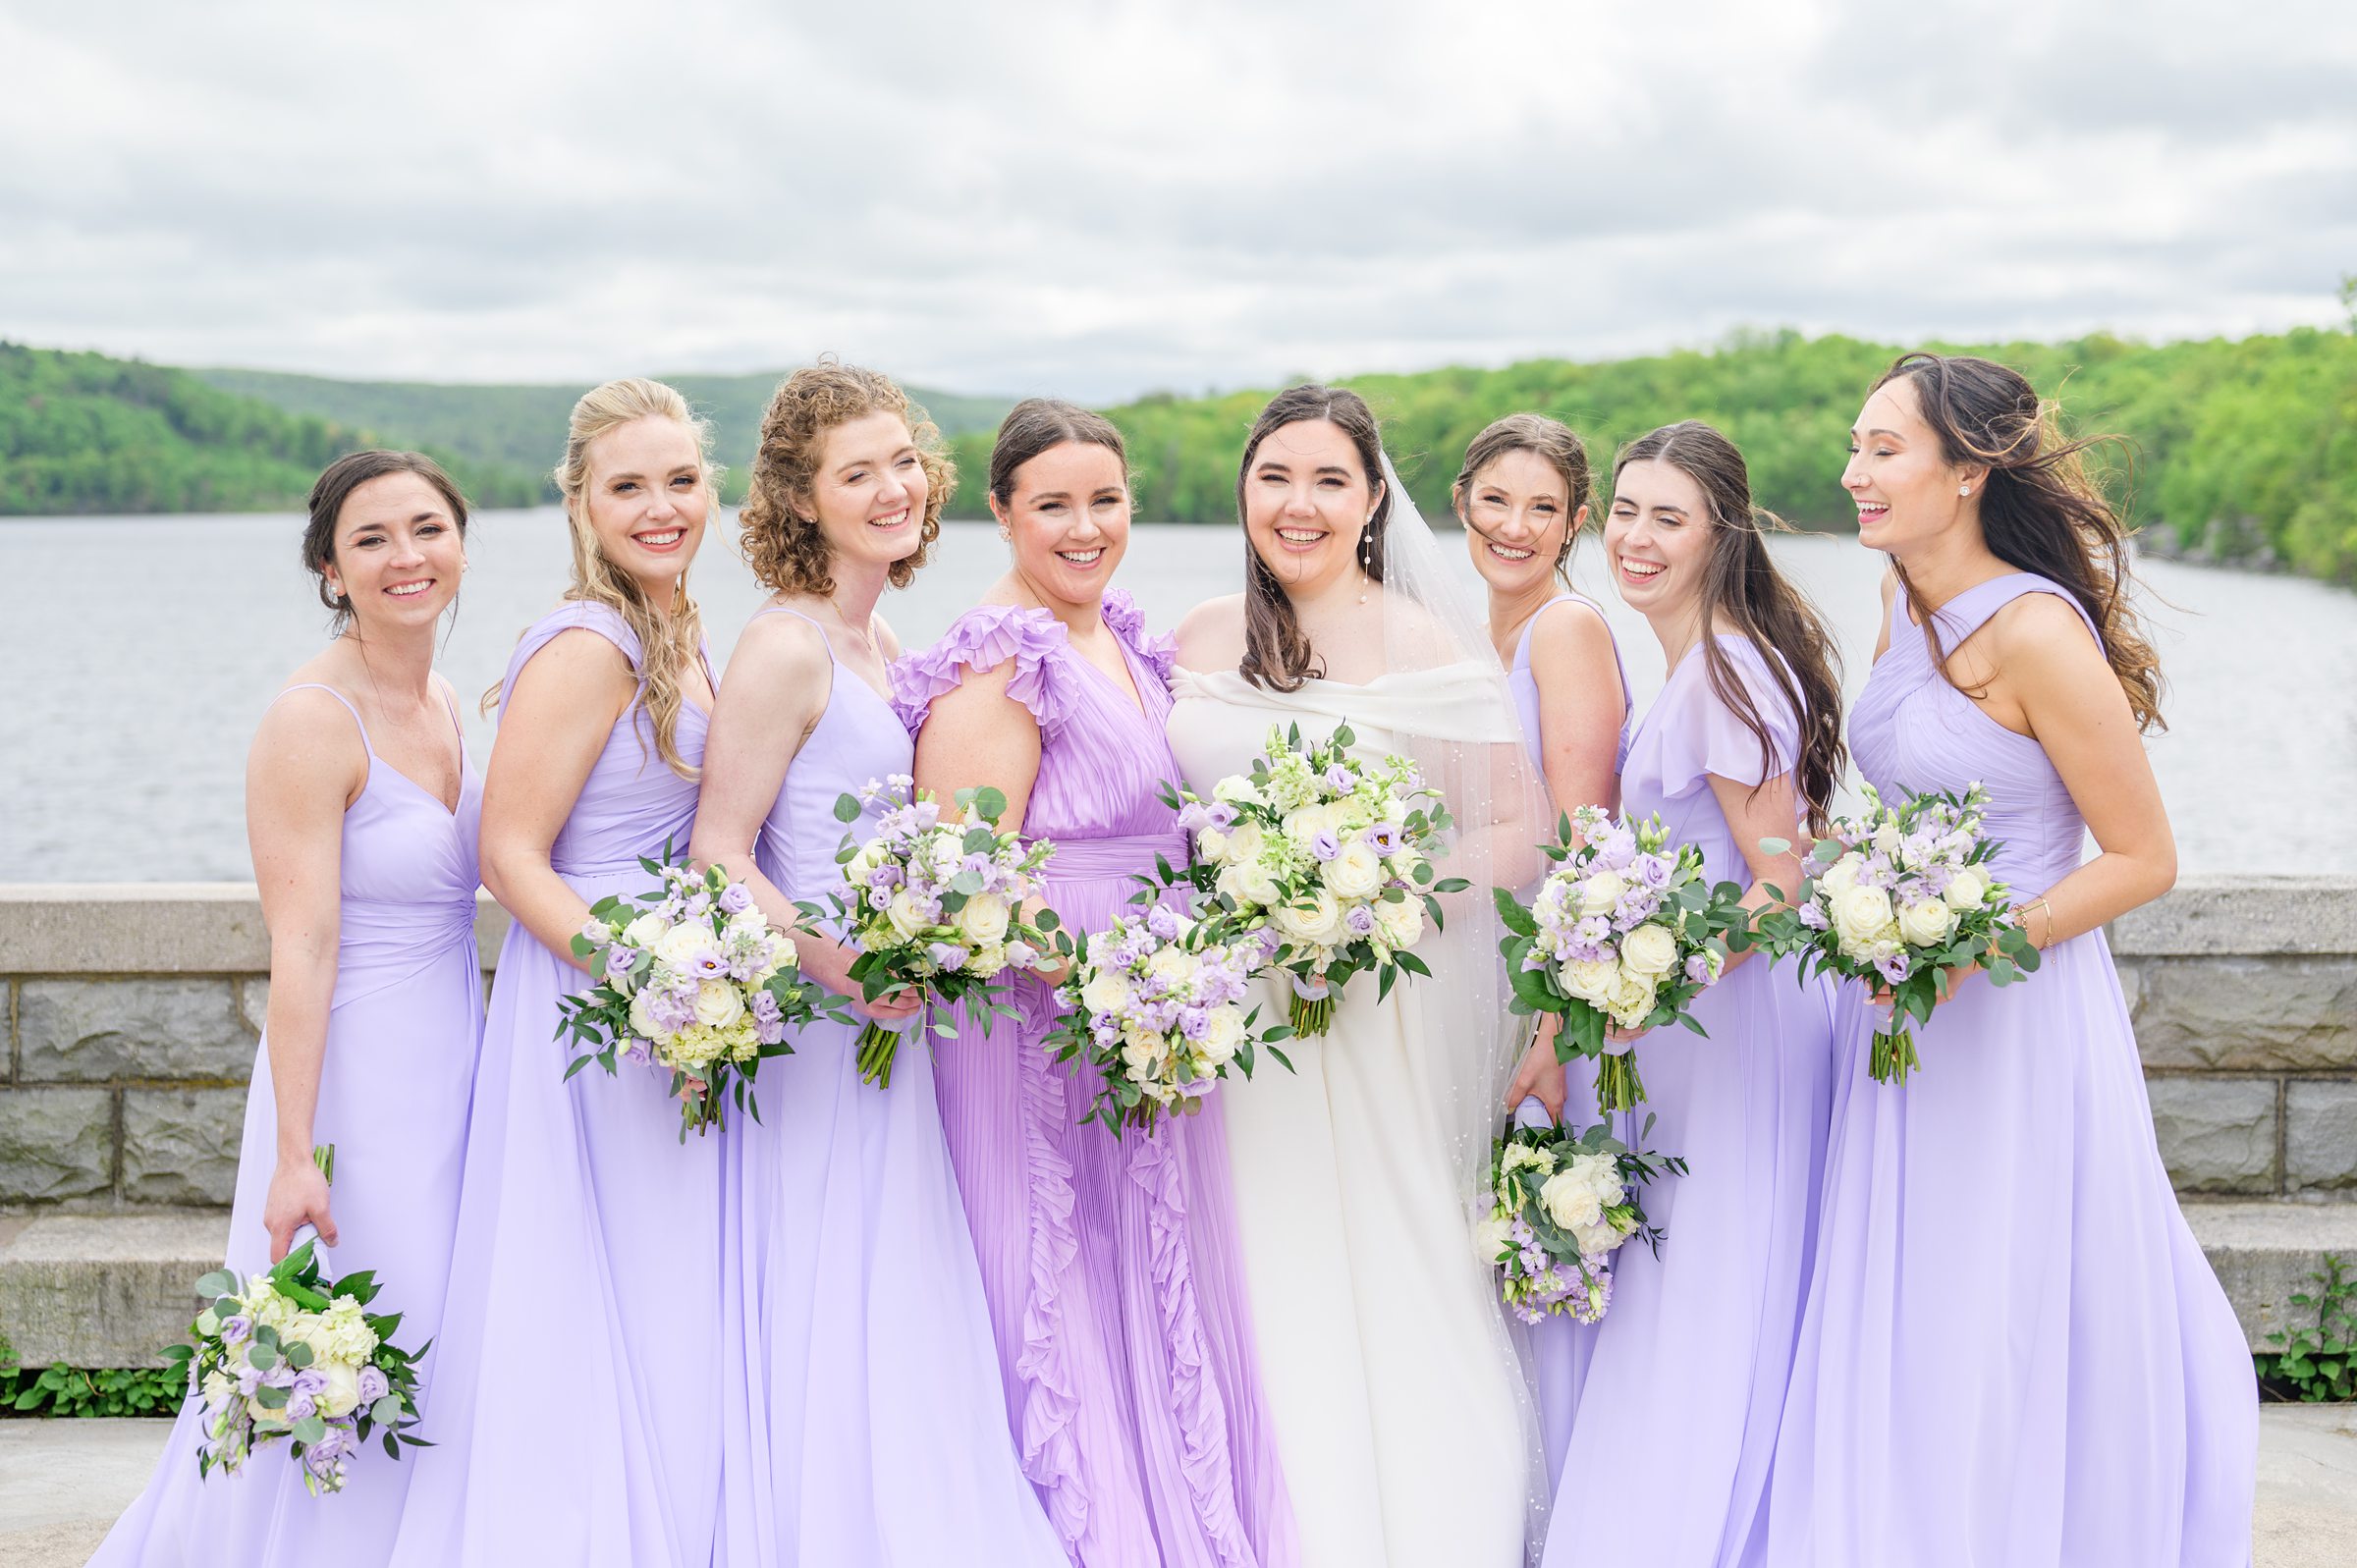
[{"x": 1963, "y": 490}]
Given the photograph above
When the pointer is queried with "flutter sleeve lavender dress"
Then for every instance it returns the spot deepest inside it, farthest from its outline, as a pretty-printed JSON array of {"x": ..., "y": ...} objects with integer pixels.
[
  {"x": 1681, "y": 1404},
  {"x": 866, "y": 1424},
  {"x": 402, "y": 1029},
  {"x": 576, "y": 1401},
  {"x": 2013, "y": 1350},
  {"x": 1110, "y": 1264}
]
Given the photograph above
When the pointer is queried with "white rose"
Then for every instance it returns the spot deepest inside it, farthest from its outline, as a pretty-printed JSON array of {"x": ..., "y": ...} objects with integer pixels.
[
  {"x": 1596, "y": 1240},
  {"x": 645, "y": 931},
  {"x": 907, "y": 919},
  {"x": 1600, "y": 893},
  {"x": 1400, "y": 924},
  {"x": 1104, "y": 993},
  {"x": 1211, "y": 845},
  {"x": 1170, "y": 965},
  {"x": 718, "y": 1005},
  {"x": 1314, "y": 918},
  {"x": 1589, "y": 981},
  {"x": 1355, "y": 873},
  {"x": 1860, "y": 914},
  {"x": 1491, "y": 1237},
  {"x": 1243, "y": 841},
  {"x": 984, "y": 919},
  {"x": 1521, "y": 1157},
  {"x": 681, "y": 943},
  {"x": 642, "y": 1022},
  {"x": 1142, "y": 1049},
  {"x": 1632, "y": 999},
  {"x": 1842, "y": 875},
  {"x": 870, "y": 855},
  {"x": 1650, "y": 950},
  {"x": 1570, "y": 1200},
  {"x": 1237, "y": 790},
  {"x": 1307, "y": 823},
  {"x": 1604, "y": 1176},
  {"x": 1926, "y": 924},
  {"x": 1223, "y": 1032},
  {"x": 341, "y": 1393},
  {"x": 1247, "y": 882},
  {"x": 1967, "y": 890}
]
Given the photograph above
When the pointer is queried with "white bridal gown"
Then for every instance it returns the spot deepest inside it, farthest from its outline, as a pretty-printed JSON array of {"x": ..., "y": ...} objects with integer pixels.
[{"x": 1397, "y": 1413}]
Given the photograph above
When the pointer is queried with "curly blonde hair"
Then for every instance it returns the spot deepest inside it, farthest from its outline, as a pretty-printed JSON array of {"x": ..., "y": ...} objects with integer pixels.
[{"x": 778, "y": 528}]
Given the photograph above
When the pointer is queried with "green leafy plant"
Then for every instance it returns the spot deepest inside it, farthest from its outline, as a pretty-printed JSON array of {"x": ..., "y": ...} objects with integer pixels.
[
  {"x": 63, "y": 1391},
  {"x": 2319, "y": 1363}
]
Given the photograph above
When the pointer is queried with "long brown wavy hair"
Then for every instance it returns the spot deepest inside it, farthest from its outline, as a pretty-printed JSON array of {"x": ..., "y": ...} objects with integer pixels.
[
  {"x": 1742, "y": 591},
  {"x": 1277, "y": 652},
  {"x": 1552, "y": 442},
  {"x": 778, "y": 527},
  {"x": 2041, "y": 511}
]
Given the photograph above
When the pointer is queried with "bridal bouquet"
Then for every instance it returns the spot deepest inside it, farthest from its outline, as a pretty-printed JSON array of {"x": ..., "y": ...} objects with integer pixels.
[
  {"x": 1560, "y": 1202},
  {"x": 1624, "y": 931},
  {"x": 694, "y": 979},
  {"x": 290, "y": 1356},
  {"x": 1331, "y": 853},
  {"x": 1156, "y": 1005},
  {"x": 1896, "y": 895},
  {"x": 934, "y": 900}
]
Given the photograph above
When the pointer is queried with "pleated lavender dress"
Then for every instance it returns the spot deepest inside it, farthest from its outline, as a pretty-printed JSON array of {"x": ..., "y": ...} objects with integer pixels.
[
  {"x": 866, "y": 1425},
  {"x": 403, "y": 1030},
  {"x": 1677, "y": 1422},
  {"x": 578, "y": 1406},
  {"x": 1116, "y": 1289},
  {"x": 2013, "y": 1353},
  {"x": 1560, "y": 1348}
]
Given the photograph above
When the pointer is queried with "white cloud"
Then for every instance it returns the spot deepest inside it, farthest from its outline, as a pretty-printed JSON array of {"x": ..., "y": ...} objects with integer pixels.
[{"x": 1099, "y": 199}]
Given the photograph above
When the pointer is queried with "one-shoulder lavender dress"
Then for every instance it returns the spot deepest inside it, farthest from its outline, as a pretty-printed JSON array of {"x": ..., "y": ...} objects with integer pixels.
[
  {"x": 2013, "y": 1350},
  {"x": 578, "y": 1406},
  {"x": 1562, "y": 1348},
  {"x": 866, "y": 1425},
  {"x": 402, "y": 1029},
  {"x": 1678, "y": 1413},
  {"x": 1111, "y": 1265}
]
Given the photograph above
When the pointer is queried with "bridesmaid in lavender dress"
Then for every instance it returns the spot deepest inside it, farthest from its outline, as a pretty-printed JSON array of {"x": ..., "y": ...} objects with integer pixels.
[
  {"x": 361, "y": 807},
  {"x": 580, "y": 1353},
  {"x": 2014, "y": 1352},
  {"x": 1744, "y": 744},
  {"x": 1110, "y": 1264},
  {"x": 1522, "y": 497},
  {"x": 865, "y": 1425}
]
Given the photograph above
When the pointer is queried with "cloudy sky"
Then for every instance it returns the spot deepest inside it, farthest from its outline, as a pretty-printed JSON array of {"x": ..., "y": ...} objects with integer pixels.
[{"x": 1101, "y": 199}]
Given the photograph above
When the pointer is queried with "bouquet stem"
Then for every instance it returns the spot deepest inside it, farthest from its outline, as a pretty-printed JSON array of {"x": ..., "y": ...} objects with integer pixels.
[
  {"x": 877, "y": 1047},
  {"x": 1894, "y": 1055},
  {"x": 1617, "y": 1086},
  {"x": 1311, "y": 1016}
]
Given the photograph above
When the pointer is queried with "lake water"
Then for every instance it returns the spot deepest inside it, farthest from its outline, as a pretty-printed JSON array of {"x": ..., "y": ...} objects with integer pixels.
[{"x": 143, "y": 649}]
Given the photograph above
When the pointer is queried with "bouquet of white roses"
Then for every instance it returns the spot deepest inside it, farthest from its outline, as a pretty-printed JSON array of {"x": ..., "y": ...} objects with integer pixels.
[
  {"x": 1623, "y": 931},
  {"x": 1896, "y": 895},
  {"x": 291, "y": 1355},
  {"x": 1156, "y": 1005},
  {"x": 935, "y": 900},
  {"x": 1560, "y": 1202},
  {"x": 1331, "y": 853},
  {"x": 694, "y": 980}
]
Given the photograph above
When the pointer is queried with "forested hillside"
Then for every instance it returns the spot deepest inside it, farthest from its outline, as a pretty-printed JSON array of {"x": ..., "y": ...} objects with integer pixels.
[{"x": 2241, "y": 450}]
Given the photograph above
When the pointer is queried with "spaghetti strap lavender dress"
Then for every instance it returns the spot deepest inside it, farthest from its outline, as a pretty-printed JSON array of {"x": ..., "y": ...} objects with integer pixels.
[
  {"x": 403, "y": 1028},
  {"x": 1111, "y": 1266},
  {"x": 2013, "y": 1352},
  {"x": 866, "y": 1425},
  {"x": 1679, "y": 1414},
  {"x": 1560, "y": 1348},
  {"x": 576, "y": 1405}
]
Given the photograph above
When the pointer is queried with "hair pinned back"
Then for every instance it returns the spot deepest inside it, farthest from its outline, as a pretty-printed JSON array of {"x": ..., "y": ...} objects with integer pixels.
[
  {"x": 335, "y": 485},
  {"x": 1552, "y": 442}
]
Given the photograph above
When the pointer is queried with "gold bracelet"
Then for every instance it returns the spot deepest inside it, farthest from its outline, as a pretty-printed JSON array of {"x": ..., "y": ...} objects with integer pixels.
[{"x": 2039, "y": 903}]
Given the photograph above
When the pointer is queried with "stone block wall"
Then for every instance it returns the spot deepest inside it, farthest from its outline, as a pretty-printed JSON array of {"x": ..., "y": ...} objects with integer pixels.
[{"x": 134, "y": 1012}]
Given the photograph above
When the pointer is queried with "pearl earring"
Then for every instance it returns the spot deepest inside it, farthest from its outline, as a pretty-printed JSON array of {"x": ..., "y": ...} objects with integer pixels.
[{"x": 1963, "y": 490}]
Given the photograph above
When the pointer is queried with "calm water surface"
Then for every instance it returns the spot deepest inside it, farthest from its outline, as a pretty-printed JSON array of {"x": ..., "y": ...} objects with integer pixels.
[{"x": 143, "y": 650}]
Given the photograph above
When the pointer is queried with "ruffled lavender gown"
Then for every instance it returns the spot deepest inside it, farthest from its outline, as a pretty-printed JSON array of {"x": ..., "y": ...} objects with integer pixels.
[
  {"x": 2013, "y": 1351},
  {"x": 577, "y": 1402},
  {"x": 1562, "y": 1348},
  {"x": 865, "y": 1421},
  {"x": 1679, "y": 1414},
  {"x": 403, "y": 1030},
  {"x": 1111, "y": 1265}
]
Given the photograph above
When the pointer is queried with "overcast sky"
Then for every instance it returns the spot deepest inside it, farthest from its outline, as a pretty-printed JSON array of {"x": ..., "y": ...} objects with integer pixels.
[{"x": 1100, "y": 199}]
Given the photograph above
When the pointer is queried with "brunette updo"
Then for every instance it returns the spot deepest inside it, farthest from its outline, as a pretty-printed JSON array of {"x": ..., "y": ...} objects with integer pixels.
[
  {"x": 335, "y": 485},
  {"x": 1037, "y": 425},
  {"x": 1552, "y": 442}
]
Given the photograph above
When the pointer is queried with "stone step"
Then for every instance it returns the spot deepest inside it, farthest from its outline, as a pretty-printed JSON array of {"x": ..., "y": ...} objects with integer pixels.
[{"x": 111, "y": 1290}]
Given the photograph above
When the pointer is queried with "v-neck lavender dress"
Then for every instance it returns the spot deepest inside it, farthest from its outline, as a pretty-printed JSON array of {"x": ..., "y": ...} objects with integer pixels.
[
  {"x": 577, "y": 1406},
  {"x": 402, "y": 1029},
  {"x": 1111, "y": 1266},
  {"x": 2013, "y": 1350},
  {"x": 866, "y": 1424},
  {"x": 1678, "y": 1413}
]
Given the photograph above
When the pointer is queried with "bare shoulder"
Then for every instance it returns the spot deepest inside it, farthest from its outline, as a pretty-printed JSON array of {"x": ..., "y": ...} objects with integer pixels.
[
  {"x": 1211, "y": 635},
  {"x": 1890, "y": 587},
  {"x": 777, "y": 646},
  {"x": 307, "y": 740},
  {"x": 1571, "y": 629},
  {"x": 888, "y": 641},
  {"x": 2040, "y": 635}
]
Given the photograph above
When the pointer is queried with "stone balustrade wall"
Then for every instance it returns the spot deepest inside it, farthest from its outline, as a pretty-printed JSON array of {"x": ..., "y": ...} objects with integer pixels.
[{"x": 134, "y": 1010}]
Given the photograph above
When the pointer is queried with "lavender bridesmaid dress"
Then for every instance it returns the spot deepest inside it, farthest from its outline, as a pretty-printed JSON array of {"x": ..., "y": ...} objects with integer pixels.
[
  {"x": 580, "y": 1364},
  {"x": 1681, "y": 1404},
  {"x": 1560, "y": 1348},
  {"x": 865, "y": 1421},
  {"x": 403, "y": 1030},
  {"x": 1114, "y": 1286},
  {"x": 2013, "y": 1351}
]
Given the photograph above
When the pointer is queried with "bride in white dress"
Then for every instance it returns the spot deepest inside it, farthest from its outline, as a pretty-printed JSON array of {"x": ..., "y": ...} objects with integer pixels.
[{"x": 1402, "y": 1413}]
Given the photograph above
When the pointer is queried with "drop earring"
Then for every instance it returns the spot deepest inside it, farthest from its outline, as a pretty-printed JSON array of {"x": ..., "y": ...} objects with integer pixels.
[{"x": 1365, "y": 560}]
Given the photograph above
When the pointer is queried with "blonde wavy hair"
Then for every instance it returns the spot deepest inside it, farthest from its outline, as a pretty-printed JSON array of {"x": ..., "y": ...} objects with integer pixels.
[
  {"x": 778, "y": 525},
  {"x": 667, "y": 639}
]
